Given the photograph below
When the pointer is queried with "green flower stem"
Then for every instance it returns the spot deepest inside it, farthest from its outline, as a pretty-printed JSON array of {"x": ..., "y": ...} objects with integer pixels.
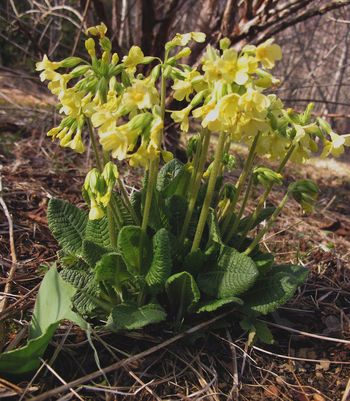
[
  {"x": 264, "y": 196},
  {"x": 210, "y": 191},
  {"x": 195, "y": 161},
  {"x": 194, "y": 188},
  {"x": 242, "y": 208},
  {"x": 269, "y": 224},
  {"x": 241, "y": 180},
  {"x": 153, "y": 165},
  {"x": 127, "y": 202},
  {"x": 94, "y": 145}
]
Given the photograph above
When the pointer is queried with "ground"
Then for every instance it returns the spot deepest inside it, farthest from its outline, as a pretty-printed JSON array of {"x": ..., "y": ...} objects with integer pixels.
[{"x": 310, "y": 357}]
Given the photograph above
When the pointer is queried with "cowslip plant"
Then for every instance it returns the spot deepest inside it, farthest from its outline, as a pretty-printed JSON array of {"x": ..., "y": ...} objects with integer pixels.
[{"x": 184, "y": 243}]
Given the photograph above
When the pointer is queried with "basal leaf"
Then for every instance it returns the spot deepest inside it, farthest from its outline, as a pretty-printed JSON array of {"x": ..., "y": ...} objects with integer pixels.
[
  {"x": 182, "y": 291},
  {"x": 161, "y": 264},
  {"x": 78, "y": 278},
  {"x": 129, "y": 241},
  {"x": 176, "y": 208},
  {"x": 233, "y": 275},
  {"x": 124, "y": 212},
  {"x": 194, "y": 261},
  {"x": 67, "y": 224},
  {"x": 111, "y": 269},
  {"x": 275, "y": 289},
  {"x": 92, "y": 252},
  {"x": 52, "y": 305},
  {"x": 215, "y": 304},
  {"x": 97, "y": 232},
  {"x": 169, "y": 177},
  {"x": 132, "y": 317},
  {"x": 214, "y": 231},
  {"x": 263, "y": 261},
  {"x": 263, "y": 215}
]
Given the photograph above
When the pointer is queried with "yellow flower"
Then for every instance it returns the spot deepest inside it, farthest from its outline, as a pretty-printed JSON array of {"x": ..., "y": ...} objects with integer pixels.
[
  {"x": 156, "y": 130},
  {"x": 184, "y": 39},
  {"x": 76, "y": 143},
  {"x": 116, "y": 142},
  {"x": 142, "y": 94},
  {"x": 184, "y": 88},
  {"x": 58, "y": 84},
  {"x": 336, "y": 146},
  {"x": 134, "y": 58},
  {"x": 181, "y": 116},
  {"x": 267, "y": 53},
  {"x": 98, "y": 30},
  {"x": 71, "y": 102},
  {"x": 46, "y": 64}
]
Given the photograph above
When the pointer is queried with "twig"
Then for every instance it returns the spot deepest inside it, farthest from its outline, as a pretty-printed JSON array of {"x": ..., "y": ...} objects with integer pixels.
[
  {"x": 129, "y": 360},
  {"x": 11, "y": 275}
]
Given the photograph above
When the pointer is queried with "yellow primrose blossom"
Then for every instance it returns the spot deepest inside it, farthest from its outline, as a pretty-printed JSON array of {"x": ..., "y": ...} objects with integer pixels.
[
  {"x": 184, "y": 39},
  {"x": 58, "y": 84},
  {"x": 134, "y": 57},
  {"x": 184, "y": 88},
  {"x": 267, "y": 53},
  {"x": 181, "y": 116},
  {"x": 98, "y": 30},
  {"x": 336, "y": 146},
  {"x": 47, "y": 67},
  {"x": 142, "y": 94}
]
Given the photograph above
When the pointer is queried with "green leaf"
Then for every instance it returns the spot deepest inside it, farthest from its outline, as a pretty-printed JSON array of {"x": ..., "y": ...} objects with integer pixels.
[
  {"x": 182, "y": 292},
  {"x": 111, "y": 269},
  {"x": 257, "y": 330},
  {"x": 67, "y": 224},
  {"x": 87, "y": 302},
  {"x": 132, "y": 317},
  {"x": 92, "y": 252},
  {"x": 136, "y": 200},
  {"x": 98, "y": 233},
  {"x": 233, "y": 275},
  {"x": 214, "y": 231},
  {"x": 263, "y": 215},
  {"x": 263, "y": 261},
  {"x": 129, "y": 240},
  {"x": 170, "y": 176},
  {"x": 52, "y": 305},
  {"x": 215, "y": 304},
  {"x": 161, "y": 265},
  {"x": 78, "y": 278},
  {"x": 127, "y": 219},
  {"x": 275, "y": 289},
  {"x": 194, "y": 261},
  {"x": 176, "y": 208}
]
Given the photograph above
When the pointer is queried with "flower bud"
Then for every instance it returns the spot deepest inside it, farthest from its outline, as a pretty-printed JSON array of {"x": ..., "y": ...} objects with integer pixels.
[
  {"x": 106, "y": 44},
  {"x": 186, "y": 51},
  {"x": 71, "y": 62},
  {"x": 90, "y": 47},
  {"x": 80, "y": 70},
  {"x": 267, "y": 177},
  {"x": 110, "y": 173},
  {"x": 115, "y": 58},
  {"x": 305, "y": 193},
  {"x": 224, "y": 43}
]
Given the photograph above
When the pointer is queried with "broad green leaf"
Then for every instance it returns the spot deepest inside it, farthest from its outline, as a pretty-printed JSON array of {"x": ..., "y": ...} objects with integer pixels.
[
  {"x": 52, "y": 305},
  {"x": 92, "y": 252},
  {"x": 170, "y": 176},
  {"x": 136, "y": 200},
  {"x": 182, "y": 291},
  {"x": 263, "y": 261},
  {"x": 275, "y": 289},
  {"x": 67, "y": 224},
  {"x": 176, "y": 208},
  {"x": 215, "y": 304},
  {"x": 194, "y": 261},
  {"x": 88, "y": 303},
  {"x": 233, "y": 275},
  {"x": 161, "y": 265},
  {"x": 97, "y": 232},
  {"x": 263, "y": 215},
  {"x": 124, "y": 212},
  {"x": 78, "y": 278},
  {"x": 214, "y": 231},
  {"x": 129, "y": 241},
  {"x": 132, "y": 317},
  {"x": 111, "y": 269}
]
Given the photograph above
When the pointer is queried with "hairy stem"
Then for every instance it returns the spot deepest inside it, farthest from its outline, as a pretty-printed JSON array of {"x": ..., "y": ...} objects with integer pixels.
[
  {"x": 269, "y": 224},
  {"x": 241, "y": 180},
  {"x": 194, "y": 188},
  {"x": 210, "y": 191}
]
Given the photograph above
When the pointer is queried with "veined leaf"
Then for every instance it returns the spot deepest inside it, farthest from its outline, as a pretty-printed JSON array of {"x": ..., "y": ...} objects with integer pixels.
[
  {"x": 194, "y": 261},
  {"x": 129, "y": 241},
  {"x": 257, "y": 329},
  {"x": 214, "y": 231},
  {"x": 126, "y": 216},
  {"x": 176, "y": 208},
  {"x": 275, "y": 289},
  {"x": 233, "y": 275},
  {"x": 263, "y": 261},
  {"x": 52, "y": 305},
  {"x": 182, "y": 292},
  {"x": 132, "y": 317},
  {"x": 87, "y": 302},
  {"x": 92, "y": 252},
  {"x": 67, "y": 224},
  {"x": 169, "y": 177},
  {"x": 161, "y": 265},
  {"x": 111, "y": 269},
  {"x": 97, "y": 232},
  {"x": 212, "y": 306},
  {"x": 78, "y": 278}
]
